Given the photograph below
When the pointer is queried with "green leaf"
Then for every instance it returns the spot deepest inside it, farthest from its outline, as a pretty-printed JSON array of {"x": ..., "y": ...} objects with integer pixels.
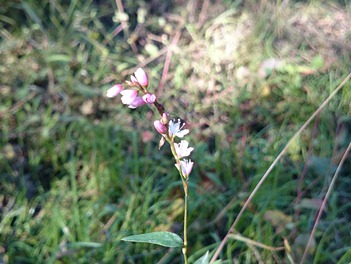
[{"x": 166, "y": 239}]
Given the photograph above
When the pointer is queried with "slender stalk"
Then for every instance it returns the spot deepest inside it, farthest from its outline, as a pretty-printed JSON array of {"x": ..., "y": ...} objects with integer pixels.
[
  {"x": 162, "y": 126},
  {"x": 259, "y": 184},
  {"x": 321, "y": 209},
  {"x": 185, "y": 188},
  {"x": 185, "y": 247},
  {"x": 160, "y": 108}
]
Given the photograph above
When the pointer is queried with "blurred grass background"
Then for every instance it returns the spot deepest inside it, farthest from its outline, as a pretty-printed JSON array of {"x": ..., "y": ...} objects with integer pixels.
[{"x": 79, "y": 171}]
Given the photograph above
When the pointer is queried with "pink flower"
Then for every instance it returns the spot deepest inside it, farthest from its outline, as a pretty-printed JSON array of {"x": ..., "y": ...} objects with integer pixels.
[
  {"x": 160, "y": 127},
  {"x": 128, "y": 96},
  {"x": 114, "y": 90},
  {"x": 141, "y": 77},
  {"x": 149, "y": 98},
  {"x": 138, "y": 101},
  {"x": 182, "y": 149},
  {"x": 186, "y": 167}
]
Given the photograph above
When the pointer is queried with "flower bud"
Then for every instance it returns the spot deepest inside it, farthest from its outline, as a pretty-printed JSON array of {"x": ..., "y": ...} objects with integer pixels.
[
  {"x": 141, "y": 77},
  {"x": 164, "y": 118},
  {"x": 114, "y": 91},
  {"x": 133, "y": 80},
  {"x": 160, "y": 127},
  {"x": 149, "y": 98}
]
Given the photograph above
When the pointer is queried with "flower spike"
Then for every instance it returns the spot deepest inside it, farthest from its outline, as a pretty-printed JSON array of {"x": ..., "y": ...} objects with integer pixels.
[{"x": 169, "y": 129}]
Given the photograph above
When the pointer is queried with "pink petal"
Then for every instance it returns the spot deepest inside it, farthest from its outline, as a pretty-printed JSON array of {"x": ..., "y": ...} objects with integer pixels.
[
  {"x": 138, "y": 101},
  {"x": 128, "y": 96},
  {"x": 141, "y": 76},
  {"x": 114, "y": 90},
  {"x": 149, "y": 98},
  {"x": 160, "y": 127}
]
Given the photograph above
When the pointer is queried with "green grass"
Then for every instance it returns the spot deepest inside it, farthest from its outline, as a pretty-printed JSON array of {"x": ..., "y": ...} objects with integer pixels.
[{"x": 79, "y": 172}]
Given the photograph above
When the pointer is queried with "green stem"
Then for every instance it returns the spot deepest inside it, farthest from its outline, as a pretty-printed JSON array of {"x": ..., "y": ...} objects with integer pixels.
[
  {"x": 185, "y": 247},
  {"x": 185, "y": 187}
]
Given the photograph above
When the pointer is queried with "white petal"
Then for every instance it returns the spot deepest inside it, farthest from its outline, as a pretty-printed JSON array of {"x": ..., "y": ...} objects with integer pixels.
[{"x": 182, "y": 133}]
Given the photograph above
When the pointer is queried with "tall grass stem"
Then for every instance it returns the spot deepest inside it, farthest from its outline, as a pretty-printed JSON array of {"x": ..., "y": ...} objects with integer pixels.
[
  {"x": 264, "y": 177},
  {"x": 321, "y": 209}
]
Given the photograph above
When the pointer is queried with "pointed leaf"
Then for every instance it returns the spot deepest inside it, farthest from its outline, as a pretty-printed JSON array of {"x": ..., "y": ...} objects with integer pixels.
[{"x": 165, "y": 239}]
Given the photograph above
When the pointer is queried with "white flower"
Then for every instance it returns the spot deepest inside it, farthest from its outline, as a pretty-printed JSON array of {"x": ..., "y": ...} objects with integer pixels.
[
  {"x": 186, "y": 166},
  {"x": 175, "y": 128},
  {"x": 182, "y": 149}
]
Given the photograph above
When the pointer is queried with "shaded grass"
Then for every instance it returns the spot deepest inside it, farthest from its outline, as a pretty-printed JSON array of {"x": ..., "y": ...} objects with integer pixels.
[{"x": 96, "y": 187}]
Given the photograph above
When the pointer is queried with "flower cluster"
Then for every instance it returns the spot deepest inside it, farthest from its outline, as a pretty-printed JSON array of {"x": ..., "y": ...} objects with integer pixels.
[
  {"x": 169, "y": 129},
  {"x": 182, "y": 149},
  {"x": 130, "y": 97}
]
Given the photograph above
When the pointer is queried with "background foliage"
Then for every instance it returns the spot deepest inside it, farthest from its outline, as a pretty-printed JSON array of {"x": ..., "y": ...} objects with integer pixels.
[{"x": 79, "y": 172}]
